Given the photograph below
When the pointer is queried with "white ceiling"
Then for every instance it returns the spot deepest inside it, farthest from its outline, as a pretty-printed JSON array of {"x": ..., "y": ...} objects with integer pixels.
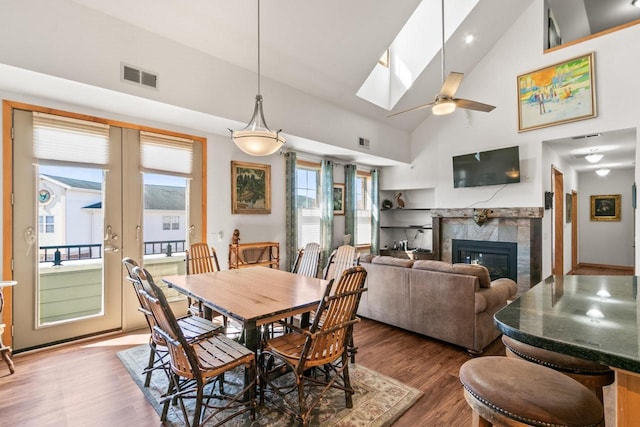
[{"x": 325, "y": 48}]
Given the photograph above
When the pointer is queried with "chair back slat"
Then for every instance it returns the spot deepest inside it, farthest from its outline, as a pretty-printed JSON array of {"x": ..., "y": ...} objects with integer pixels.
[
  {"x": 201, "y": 259},
  {"x": 335, "y": 317},
  {"x": 308, "y": 260},
  {"x": 341, "y": 259}
]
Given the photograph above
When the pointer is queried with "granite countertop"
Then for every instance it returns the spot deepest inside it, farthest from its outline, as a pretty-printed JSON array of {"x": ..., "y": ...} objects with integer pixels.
[{"x": 593, "y": 317}]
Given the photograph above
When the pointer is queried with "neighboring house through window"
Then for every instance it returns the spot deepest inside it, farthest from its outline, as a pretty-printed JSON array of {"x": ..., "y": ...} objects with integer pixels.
[
  {"x": 171, "y": 223},
  {"x": 46, "y": 223}
]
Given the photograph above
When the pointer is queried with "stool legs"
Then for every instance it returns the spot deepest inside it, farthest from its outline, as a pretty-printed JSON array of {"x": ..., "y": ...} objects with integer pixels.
[{"x": 6, "y": 355}]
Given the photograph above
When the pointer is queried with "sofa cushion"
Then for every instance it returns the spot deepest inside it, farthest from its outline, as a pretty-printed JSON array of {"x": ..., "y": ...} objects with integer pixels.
[
  {"x": 480, "y": 271},
  {"x": 396, "y": 262},
  {"x": 366, "y": 257}
]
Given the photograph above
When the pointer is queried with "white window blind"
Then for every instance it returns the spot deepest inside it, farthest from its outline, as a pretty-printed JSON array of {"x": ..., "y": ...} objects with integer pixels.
[
  {"x": 63, "y": 139},
  {"x": 162, "y": 153}
]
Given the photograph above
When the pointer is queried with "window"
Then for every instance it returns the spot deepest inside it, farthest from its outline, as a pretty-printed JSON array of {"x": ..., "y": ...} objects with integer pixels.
[
  {"x": 363, "y": 208},
  {"x": 46, "y": 224},
  {"x": 170, "y": 222},
  {"x": 308, "y": 202}
]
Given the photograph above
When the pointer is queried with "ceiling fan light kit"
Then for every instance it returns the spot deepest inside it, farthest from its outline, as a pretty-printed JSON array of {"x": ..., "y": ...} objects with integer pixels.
[
  {"x": 256, "y": 139},
  {"x": 442, "y": 107}
]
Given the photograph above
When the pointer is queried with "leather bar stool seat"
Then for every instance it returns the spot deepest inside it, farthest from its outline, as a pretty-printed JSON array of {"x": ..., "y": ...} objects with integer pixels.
[
  {"x": 592, "y": 375},
  {"x": 512, "y": 392}
]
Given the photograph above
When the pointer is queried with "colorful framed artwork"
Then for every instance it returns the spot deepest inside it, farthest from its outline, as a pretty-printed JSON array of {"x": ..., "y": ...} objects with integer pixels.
[
  {"x": 338, "y": 199},
  {"x": 557, "y": 94},
  {"x": 250, "y": 188},
  {"x": 605, "y": 208}
]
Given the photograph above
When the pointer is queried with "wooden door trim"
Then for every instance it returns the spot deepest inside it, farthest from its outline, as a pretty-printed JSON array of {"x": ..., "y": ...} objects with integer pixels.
[
  {"x": 574, "y": 229},
  {"x": 558, "y": 220},
  {"x": 7, "y": 220}
]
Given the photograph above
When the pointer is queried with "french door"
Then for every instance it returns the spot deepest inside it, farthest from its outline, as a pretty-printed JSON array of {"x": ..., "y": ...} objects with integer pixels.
[{"x": 79, "y": 209}]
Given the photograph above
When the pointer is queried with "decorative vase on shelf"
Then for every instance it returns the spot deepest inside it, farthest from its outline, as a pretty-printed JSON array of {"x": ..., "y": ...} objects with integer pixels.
[{"x": 387, "y": 204}]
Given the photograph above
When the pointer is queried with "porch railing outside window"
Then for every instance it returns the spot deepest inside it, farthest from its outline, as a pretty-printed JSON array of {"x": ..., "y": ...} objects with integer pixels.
[{"x": 59, "y": 253}]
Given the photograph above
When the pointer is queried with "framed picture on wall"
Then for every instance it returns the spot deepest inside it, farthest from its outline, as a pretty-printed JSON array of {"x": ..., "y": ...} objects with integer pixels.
[
  {"x": 250, "y": 188},
  {"x": 557, "y": 94},
  {"x": 605, "y": 208},
  {"x": 338, "y": 199},
  {"x": 568, "y": 207}
]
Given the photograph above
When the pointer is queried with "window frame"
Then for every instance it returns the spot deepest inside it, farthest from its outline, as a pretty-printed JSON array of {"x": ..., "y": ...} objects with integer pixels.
[
  {"x": 310, "y": 166},
  {"x": 366, "y": 176}
]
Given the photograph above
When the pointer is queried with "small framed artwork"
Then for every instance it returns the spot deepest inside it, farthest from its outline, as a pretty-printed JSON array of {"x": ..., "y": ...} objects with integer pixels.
[
  {"x": 605, "y": 208},
  {"x": 338, "y": 199},
  {"x": 250, "y": 188},
  {"x": 568, "y": 207},
  {"x": 557, "y": 94}
]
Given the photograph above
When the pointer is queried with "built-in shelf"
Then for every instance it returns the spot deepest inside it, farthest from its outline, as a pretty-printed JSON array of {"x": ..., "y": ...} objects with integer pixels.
[{"x": 414, "y": 227}]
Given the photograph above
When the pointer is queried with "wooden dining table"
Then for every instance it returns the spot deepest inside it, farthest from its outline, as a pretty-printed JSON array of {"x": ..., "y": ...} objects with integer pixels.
[
  {"x": 252, "y": 296},
  {"x": 591, "y": 317}
]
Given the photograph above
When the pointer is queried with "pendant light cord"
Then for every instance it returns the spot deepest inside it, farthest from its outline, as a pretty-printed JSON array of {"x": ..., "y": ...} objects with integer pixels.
[
  {"x": 258, "y": 47},
  {"x": 442, "y": 3}
]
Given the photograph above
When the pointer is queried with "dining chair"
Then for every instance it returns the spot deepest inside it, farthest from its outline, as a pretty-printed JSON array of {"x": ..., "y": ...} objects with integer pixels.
[
  {"x": 196, "y": 364},
  {"x": 342, "y": 258},
  {"x": 201, "y": 258},
  {"x": 193, "y": 328},
  {"x": 307, "y": 262},
  {"x": 323, "y": 345}
]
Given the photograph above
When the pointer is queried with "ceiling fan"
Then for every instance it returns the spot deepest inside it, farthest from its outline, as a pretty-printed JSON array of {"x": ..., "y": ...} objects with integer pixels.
[{"x": 444, "y": 102}]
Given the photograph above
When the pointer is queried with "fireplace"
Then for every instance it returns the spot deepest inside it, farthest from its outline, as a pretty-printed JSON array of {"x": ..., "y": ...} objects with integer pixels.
[{"x": 500, "y": 258}]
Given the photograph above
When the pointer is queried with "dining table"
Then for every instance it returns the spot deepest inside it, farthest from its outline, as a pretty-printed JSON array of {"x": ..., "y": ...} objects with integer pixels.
[
  {"x": 253, "y": 296},
  {"x": 591, "y": 317}
]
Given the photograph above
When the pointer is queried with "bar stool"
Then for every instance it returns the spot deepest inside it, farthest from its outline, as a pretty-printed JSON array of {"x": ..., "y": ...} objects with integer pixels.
[
  {"x": 590, "y": 374},
  {"x": 512, "y": 392}
]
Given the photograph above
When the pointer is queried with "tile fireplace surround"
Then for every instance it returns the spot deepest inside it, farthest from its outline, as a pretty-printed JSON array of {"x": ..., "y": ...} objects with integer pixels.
[{"x": 518, "y": 225}]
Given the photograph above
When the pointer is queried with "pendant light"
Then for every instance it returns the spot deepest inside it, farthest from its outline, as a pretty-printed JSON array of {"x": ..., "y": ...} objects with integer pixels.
[{"x": 256, "y": 139}]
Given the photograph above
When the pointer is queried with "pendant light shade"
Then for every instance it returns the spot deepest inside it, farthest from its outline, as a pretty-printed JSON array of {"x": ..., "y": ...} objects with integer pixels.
[
  {"x": 256, "y": 139},
  {"x": 593, "y": 157},
  {"x": 603, "y": 171}
]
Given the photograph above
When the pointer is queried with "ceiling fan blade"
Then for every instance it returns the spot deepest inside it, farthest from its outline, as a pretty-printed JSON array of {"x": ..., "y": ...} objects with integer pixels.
[
  {"x": 450, "y": 85},
  {"x": 473, "y": 105},
  {"x": 419, "y": 107}
]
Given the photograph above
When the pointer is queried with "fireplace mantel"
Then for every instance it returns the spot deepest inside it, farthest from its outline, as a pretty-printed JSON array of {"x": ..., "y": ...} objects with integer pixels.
[
  {"x": 491, "y": 212},
  {"x": 517, "y": 224}
]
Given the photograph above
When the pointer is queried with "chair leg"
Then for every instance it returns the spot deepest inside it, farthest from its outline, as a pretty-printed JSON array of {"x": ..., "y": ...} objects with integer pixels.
[
  {"x": 152, "y": 357},
  {"x": 302, "y": 399},
  {"x": 197, "y": 413},
  {"x": 478, "y": 421},
  {"x": 348, "y": 395}
]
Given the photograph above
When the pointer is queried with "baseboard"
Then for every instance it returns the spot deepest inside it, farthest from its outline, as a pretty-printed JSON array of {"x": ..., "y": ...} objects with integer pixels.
[{"x": 610, "y": 267}]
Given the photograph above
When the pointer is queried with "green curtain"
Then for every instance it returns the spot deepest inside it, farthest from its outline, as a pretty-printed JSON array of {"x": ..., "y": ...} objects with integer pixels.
[
  {"x": 291, "y": 210},
  {"x": 326, "y": 211},
  {"x": 350, "y": 201},
  {"x": 375, "y": 211}
]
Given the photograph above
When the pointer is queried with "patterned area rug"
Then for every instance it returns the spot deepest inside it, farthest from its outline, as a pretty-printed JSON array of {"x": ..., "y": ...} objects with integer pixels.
[{"x": 378, "y": 401}]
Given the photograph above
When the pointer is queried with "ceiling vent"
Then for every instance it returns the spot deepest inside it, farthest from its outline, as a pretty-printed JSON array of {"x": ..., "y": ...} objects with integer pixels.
[
  {"x": 593, "y": 135},
  {"x": 136, "y": 75},
  {"x": 363, "y": 143}
]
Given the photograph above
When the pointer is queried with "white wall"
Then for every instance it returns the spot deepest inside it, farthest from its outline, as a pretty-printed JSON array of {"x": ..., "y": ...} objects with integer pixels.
[
  {"x": 493, "y": 81},
  {"x": 606, "y": 242}
]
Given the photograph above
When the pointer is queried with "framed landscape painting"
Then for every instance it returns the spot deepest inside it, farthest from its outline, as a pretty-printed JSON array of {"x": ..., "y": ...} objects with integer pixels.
[
  {"x": 250, "y": 188},
  {"x": 559, "y": 93},
  {"x": 338, "y": 199},
  {"x": 605, "y": 208}
]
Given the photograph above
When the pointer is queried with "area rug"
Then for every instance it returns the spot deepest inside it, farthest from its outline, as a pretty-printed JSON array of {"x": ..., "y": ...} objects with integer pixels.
[{"x": 378, "y": 400}]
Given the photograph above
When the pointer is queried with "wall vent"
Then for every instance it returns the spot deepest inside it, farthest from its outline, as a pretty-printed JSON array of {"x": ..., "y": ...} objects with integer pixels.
[
  {"x": 136, "y": 75},
  {"x": 363, "y": 143}
]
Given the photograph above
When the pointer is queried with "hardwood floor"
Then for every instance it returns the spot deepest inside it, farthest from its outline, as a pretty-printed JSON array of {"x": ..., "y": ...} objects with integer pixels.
[{"x": 84, "y": 384}]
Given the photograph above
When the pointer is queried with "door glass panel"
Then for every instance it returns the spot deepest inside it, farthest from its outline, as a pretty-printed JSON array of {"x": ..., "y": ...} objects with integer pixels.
[
  {"x": 70, "y": 244},
  {"x": 165, "y": 227}
]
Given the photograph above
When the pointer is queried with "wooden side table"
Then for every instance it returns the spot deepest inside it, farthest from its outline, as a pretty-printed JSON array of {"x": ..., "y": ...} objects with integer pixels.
[{"x": 5, "y": 351}]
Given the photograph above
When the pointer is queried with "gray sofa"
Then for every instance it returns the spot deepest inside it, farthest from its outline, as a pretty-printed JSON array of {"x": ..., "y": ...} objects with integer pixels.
[{"x": 450, "y": 302}]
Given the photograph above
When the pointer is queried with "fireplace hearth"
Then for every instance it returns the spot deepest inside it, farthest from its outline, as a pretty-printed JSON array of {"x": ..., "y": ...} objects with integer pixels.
[{"x": 500, "y": 258}]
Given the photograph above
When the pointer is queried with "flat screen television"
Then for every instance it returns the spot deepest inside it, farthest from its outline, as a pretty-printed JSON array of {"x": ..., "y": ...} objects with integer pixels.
[{"x": 494, "y": 167}]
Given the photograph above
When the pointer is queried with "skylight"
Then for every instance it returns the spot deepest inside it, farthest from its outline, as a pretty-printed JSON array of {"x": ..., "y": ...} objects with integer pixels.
[{"x": 412, "y": 50}]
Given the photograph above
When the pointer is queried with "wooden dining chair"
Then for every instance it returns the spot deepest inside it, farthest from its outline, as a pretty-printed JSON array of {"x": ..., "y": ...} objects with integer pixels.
[
  {"x": 200, "y": 258},
  {"x": 307, "y": 262},
  {"x": 196, "y": 364},
  {"x": 193, "y": 328},
  {"x": 340, "y": 259},
  {"x": 323, "y": 345}
]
